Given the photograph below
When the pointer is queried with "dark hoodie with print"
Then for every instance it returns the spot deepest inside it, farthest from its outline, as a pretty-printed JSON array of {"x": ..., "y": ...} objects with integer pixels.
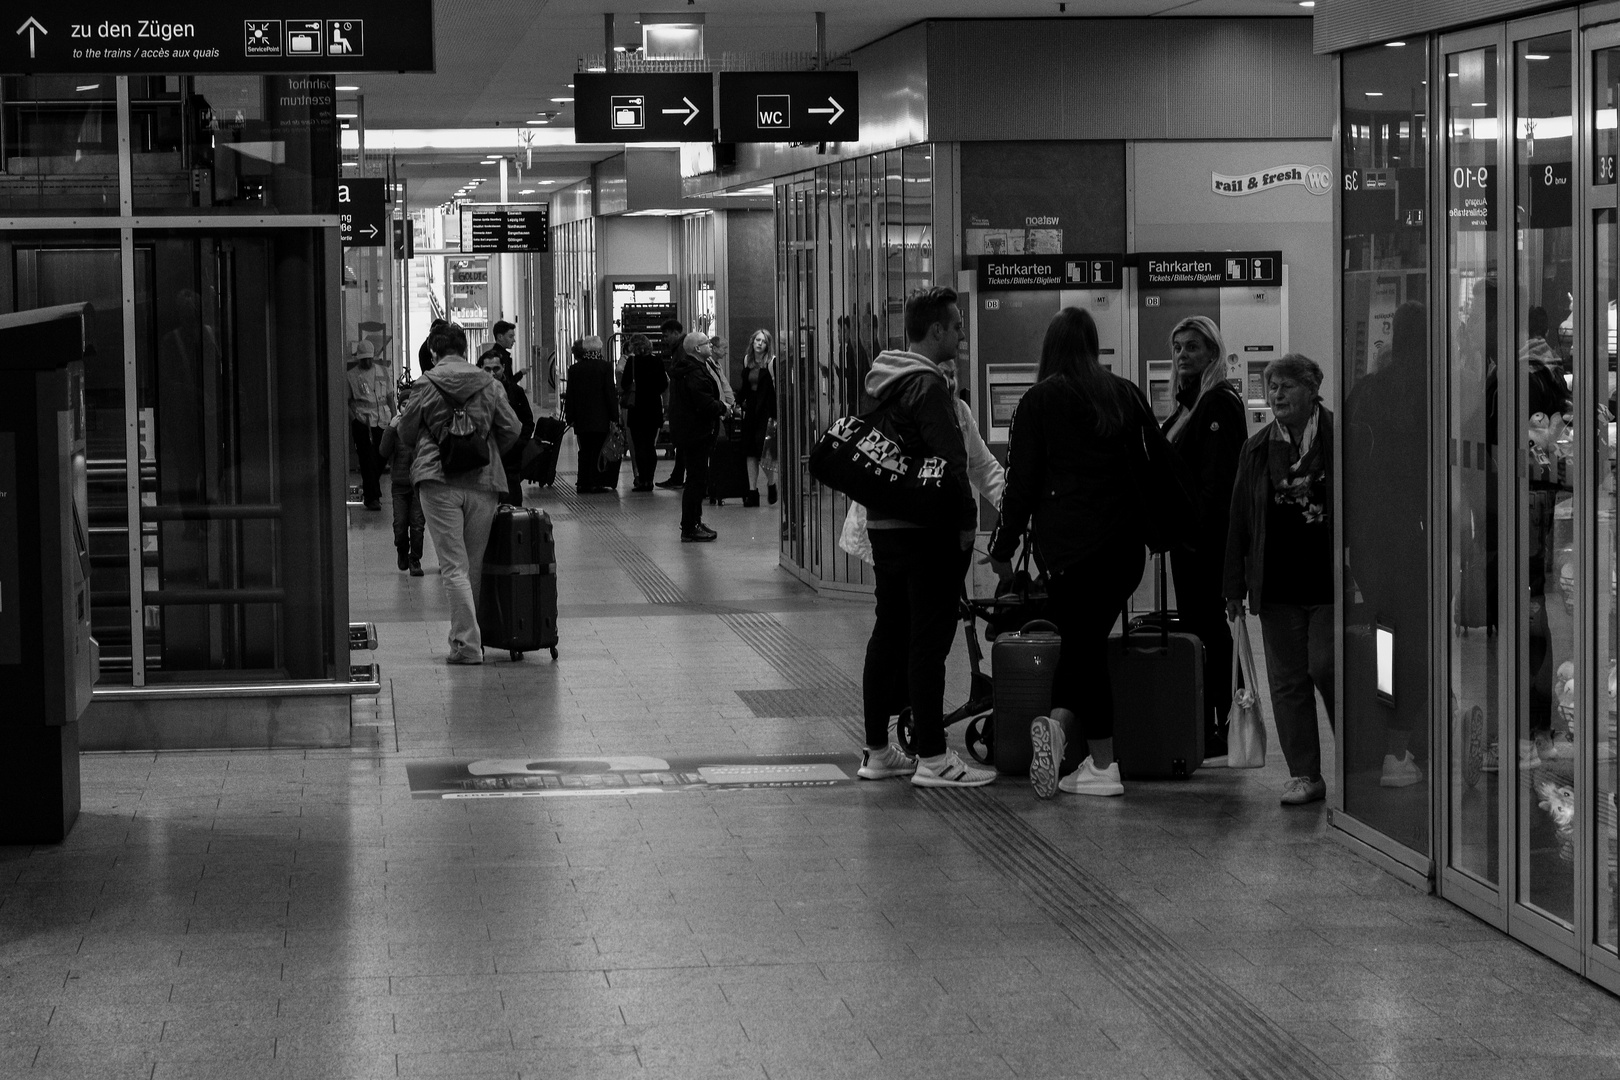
[{"x": 908, "y": 391}]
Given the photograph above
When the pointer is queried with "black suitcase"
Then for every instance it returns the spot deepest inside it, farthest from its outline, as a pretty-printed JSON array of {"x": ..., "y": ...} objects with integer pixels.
[
  {"x": 1022, "y": 665},
  {"x": 548, "y": 434},
  {"x": 728, "y": 474},
  {"x": 1157, "y": 674},
  {"x": 517, "y": 598}
]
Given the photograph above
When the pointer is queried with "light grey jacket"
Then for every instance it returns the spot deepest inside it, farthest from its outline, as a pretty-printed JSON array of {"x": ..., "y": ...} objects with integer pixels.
[{"x": 427, "y": 413}]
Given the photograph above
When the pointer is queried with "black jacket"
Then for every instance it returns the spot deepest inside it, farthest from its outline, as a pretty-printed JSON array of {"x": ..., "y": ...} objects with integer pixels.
[
  {"x": 694, "y": 401},
  {"x": 647, "y": 375},
  {"x": 1208, "y": 447},
  {"x": 758, "y": 409},
  {"x": 1245, "y": 574},
  {"x": 1078, "y": 486},
  {"x": 519, "y": 399},
  {"x": 592, "y": 402}
]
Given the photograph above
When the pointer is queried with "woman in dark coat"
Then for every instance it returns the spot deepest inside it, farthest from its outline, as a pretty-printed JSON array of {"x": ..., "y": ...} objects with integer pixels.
[
  {"x": 1207, "y": 431},
  {"x": 756, "y": 394}
]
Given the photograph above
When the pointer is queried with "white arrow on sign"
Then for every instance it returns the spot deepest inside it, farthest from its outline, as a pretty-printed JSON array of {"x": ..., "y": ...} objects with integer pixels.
[
  {"x": 691, "y": 111},
  {"x": 32, "y": 25},
  {"x": 837, "y": 110},
  {"x": 372, "y": 232}
]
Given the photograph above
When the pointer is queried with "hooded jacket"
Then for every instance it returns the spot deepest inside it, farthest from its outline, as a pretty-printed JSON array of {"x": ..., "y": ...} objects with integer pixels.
[
  {"x": 486, "y": 406},
  {"x": 909, "y": 399}
]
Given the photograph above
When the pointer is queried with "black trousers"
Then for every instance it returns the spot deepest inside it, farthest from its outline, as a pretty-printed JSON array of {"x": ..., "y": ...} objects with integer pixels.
[
  {"x": 590, "y": 449},
  {"x": 644, "y": 438},
  {"x": 677, "y": 473},
  {"x": 408, "y": 520},
  {"x": 697, "y": 480},
  {"x": 1197, "y": 575},
  {"x": 367, "y": 447},
  {"x": 1086, "y": 601},
  {"x": 513, "y": 495},
  {"x": 919, "y": 574}
]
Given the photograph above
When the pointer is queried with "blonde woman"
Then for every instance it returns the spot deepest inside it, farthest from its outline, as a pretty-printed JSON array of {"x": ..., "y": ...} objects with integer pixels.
[{"x": 756, "y": 394}]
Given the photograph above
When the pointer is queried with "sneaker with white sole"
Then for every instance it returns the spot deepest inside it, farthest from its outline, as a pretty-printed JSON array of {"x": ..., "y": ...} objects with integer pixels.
[
  {"x": 1090, "y": 780},
  {"x": 884, "y": 764},
  {"x": 1046, "y": 737},
  {"x": 952, "y": 772},
  {"x": 1400, "y": 771},
  {"x": 1301, "y": 790}
]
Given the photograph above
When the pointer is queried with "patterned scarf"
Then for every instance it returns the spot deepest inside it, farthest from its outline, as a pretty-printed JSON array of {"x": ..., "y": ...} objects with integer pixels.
[{"x": 1298, "y": 475}]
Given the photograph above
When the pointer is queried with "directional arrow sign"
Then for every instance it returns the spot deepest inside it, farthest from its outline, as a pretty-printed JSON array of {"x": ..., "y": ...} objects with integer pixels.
[
  {"x": 629, "y": 108},
  {"x": 33, "y": 26},
  {"x": 789, "y": 106},
  {"x": 363, "y": 212}
]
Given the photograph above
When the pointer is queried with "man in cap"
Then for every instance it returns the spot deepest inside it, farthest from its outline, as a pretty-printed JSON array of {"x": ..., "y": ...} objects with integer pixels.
[{"x": 371, "y": 406}]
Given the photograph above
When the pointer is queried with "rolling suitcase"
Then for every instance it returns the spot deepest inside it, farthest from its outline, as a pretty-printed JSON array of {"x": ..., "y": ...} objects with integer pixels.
[
  {"x": 542, "y": 467},
  {"x": 728, "y": 476},
  {"x": 517, "y": 598},
  {"x": 1022, "y": 667},
  {"x": 1157, "y": 675}
]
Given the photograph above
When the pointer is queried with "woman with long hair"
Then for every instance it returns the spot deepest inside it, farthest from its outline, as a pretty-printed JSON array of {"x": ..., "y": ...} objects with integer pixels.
[
  {"x": 1207, "y": 432},
  {"x": 1072, "y": 463},
  {"x": 756, "y": 394}
]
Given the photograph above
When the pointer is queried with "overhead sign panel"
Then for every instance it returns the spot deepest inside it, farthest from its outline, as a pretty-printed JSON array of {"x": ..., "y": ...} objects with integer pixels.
[
  {"x": 1209, "y": 269},
  {"x": 363, "y": 212},
  {"x": 1079, "y": 271},
  {"x": 789, "y": 106},
  {"x": 505, "y": 227},
  {"x": 629, "y": 108},
  {"x": 184, "y": 37}
]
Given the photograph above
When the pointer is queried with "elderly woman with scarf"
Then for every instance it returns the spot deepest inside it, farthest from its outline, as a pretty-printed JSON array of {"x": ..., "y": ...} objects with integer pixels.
[
  {"x": 1279, "y": 555},
  {"x": 1207, "y": 432}
]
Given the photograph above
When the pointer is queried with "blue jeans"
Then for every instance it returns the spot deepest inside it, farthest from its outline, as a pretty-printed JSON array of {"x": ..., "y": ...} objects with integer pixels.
[
  {"x": 459, "y": 520},
  {"x": 1298, "y": 642}
]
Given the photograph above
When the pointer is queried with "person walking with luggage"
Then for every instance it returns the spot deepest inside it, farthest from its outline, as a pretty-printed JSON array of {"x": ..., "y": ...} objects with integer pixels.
[
  {"x": 1279, "y": 557},
  {"x": 1207, "y": 431},
  {"x": 696, "y": 406},
  {"x": 408, "y": 520},
  {"x": 1073, "y": 464},
  {"x": 919, "y": 568},
  {"x": 592, "y": 404},
  {"x": 756, "y": 394},
  {"x": 670, "y": 351},
  {"x": 458, "y": 494},
  {"x": 491, "y": 361},
  {"x": 641, "y": 393},
  {"x": 371, "y": 398}
]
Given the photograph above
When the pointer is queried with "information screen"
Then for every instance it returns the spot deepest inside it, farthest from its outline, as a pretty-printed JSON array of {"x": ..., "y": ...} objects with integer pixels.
[{"x": 503, "y": 228}]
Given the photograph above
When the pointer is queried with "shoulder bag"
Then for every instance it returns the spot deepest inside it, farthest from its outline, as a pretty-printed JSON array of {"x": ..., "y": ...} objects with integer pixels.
[
  {"x": 1246, "y": 723},
  {"x": 857, "y": 457},
  {"x": 461, "y": 448}
]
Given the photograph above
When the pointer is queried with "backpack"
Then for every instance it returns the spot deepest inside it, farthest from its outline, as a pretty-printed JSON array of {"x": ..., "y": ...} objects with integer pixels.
[{"x": 461, "y": 448}]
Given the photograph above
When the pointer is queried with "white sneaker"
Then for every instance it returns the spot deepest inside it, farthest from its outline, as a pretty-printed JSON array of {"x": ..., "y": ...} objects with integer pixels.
[
  {"x": 1090, "y": 780},
  {"x": 883, "y": 764},
  {"x": 1046, "y": 736},
  {"x": 1400, "y": 771},
  {"x": 1302, "y": 790},
  {"x": 952, "y": 772}
]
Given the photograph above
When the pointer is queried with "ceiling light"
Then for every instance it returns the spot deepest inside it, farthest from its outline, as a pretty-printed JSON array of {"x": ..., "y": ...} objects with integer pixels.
[
  {"x": 1394, "y": 44},
  {"x": 1375, "y": 93},
  {"x": 537, "y": 121},
  {"x": 1453, "y": 74},
  {"x": 348, "y": 116},
  {"x": 620, "y": 48},
  {"x": 1477, "y": 105},
  {"x": 1537, "y": 56},
  {"x": 348, "y": 88},
  {"x": 562, "y": 100},
  {"x": 545, "y": 181},
  {"x": 527, "y": 191},
  {"x": 1307, "y": 3},
  {"x": 570, "y": 86}
]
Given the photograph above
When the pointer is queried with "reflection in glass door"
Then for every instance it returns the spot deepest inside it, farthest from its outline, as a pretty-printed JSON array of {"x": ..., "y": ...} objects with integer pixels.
[
  {"x": 1549, "y": 669},
  {"x": 1475, "y": 661}
]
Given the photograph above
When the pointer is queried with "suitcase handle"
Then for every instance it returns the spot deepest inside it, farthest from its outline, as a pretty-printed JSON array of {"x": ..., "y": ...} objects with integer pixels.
[
  {"x": 1164, "y": 598},
  {"x": 1039, "y": 624}
]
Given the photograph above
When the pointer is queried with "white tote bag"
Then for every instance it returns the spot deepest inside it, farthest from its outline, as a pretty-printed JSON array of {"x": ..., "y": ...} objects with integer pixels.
[{"x": 1246, "y": 724}]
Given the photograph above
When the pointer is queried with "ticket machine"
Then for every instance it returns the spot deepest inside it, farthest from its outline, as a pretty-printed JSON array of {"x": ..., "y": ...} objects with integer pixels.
[{"x": 47, "y": 657}]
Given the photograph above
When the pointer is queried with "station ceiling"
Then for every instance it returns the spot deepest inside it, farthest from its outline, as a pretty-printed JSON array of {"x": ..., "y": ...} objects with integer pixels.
[{"x": 501, "y": 62}]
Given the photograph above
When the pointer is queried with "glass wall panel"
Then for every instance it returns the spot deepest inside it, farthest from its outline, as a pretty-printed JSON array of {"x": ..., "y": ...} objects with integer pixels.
[
  {"x": 58, "y": 144},
  {"x": 1605, "y": 304},
  {"x": 1476, "y": 648},
  {"x": 231, "y": 381},
  {"x": 1549, "y": 669},
  {"x": 1385, "y": 371}
]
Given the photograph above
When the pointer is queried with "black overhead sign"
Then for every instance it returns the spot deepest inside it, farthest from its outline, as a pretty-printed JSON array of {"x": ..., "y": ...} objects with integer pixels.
[
  {"x": 505, "y": 227},
  {"x": 363, "y": 212},
  {"x": 1208, "y": 269},
  {"x": 789, "y": 106},
  {"x": 184, "y": 37},
  {"x": 628, "y": 108},
  {"x": 1005, "y": 272}
]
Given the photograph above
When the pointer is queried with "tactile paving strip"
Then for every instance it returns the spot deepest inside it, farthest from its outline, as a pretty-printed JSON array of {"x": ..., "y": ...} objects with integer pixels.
[
  {"x": 654, "y": 584},
  {"x": 797, "y": 661},
  {"x": 802, "y": 702},
  {"x": 1212, "y": 1023}
]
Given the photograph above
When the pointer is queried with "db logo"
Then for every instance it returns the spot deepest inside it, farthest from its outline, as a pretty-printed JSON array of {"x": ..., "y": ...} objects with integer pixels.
[{"x": 1319, "y": 179}]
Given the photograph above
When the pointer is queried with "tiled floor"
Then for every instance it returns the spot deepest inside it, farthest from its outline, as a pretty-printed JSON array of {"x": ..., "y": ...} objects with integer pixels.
[{"x": 299, "y": 914}]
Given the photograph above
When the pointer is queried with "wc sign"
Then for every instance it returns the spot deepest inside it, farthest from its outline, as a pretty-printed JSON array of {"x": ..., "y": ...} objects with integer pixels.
[
  {"x": 775, "y": 110},
  {"x": 1317, "y": 179}
]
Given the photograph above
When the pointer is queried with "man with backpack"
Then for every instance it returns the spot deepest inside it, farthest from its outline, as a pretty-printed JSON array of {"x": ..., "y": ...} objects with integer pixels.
[{"x": 460, "y": 422}]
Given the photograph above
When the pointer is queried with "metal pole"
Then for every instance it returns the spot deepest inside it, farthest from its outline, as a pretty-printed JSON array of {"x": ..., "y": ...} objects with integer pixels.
[
  {"x": 360, "y": 128},
  {"x": 503, "y": 179},
  {"x": 607, "y": 40},
  {"x": 821, "y": 41}
]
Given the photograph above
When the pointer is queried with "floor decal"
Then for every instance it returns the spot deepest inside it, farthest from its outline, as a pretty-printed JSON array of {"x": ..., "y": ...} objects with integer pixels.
[{"x": 540, "y": 777}]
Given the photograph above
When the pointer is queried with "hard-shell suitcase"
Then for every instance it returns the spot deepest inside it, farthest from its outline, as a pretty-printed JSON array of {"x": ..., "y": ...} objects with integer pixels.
[
  {"x": 1022, "y": 665},
  {"x": 1157, "y": 676},
  {"x": 548, "y": 434},
  {"x": 517, "y": 598}
]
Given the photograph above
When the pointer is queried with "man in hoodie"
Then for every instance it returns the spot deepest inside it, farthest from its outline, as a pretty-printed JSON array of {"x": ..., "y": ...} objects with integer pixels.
[
  {"x": 459, "y": 506},
  {"x": 919, "y": 568},
  {"x": 697, "y": 401}
]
